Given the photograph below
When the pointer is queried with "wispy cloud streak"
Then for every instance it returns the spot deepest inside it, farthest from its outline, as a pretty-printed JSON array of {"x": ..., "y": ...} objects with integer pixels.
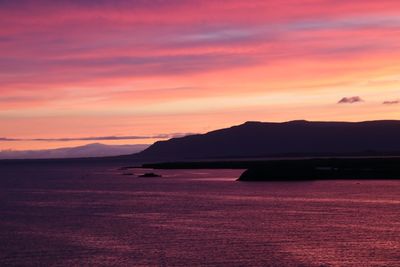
[
  {"x": 392, "y": 102},
  {"x": 96, "y": 138}
]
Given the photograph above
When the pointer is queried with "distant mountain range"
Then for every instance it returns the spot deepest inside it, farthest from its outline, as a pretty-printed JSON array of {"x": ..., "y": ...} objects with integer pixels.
[
  {"x": 90, "y": 150},
  {"x": 248, "y": 140},
  {"x": 294, "y": 138}
]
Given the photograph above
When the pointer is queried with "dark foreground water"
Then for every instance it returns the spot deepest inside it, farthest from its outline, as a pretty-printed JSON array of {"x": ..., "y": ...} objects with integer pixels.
[{"x": 71, "y": 214}]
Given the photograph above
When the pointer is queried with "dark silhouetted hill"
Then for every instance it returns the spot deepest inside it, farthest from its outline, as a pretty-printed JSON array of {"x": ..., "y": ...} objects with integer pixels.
[{"x": 294, "y": 138}]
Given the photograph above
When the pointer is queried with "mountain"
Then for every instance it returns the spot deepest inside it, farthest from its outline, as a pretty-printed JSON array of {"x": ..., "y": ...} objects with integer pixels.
[
  {"x": 294, "y": 138},
  {"x": 90, "y": 150}
]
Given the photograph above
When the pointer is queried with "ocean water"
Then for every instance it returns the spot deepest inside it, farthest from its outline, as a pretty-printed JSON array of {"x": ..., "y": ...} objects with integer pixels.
[{"x": 96, "y": 215}]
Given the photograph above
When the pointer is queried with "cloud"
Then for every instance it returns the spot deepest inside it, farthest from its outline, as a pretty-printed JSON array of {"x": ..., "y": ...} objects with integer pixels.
[
  {"x": 141, "y": 38},
  {"x": 393, "y": 102},
  {"x": 95, "y": 138},
  {"x": 5, "y": 139},
  {"x": 350, "y": 100}
]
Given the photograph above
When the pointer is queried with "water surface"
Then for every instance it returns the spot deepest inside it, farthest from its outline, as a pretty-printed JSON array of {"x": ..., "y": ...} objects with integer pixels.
[{"x": 92, "y": 214}]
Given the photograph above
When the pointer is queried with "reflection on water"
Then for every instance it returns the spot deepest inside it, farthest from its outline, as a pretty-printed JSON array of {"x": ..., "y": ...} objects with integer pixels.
[{"x": 93, "y": 215}]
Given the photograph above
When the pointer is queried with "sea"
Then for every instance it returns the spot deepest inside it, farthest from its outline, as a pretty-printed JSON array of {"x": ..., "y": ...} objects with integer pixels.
[{"x": 99, "y": 214}]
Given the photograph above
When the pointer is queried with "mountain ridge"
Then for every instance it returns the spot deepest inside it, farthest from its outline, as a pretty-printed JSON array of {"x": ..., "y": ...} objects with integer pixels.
[{"x": 298, "y": 137}]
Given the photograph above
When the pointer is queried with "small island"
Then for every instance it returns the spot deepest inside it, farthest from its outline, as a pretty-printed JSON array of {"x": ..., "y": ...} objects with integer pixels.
[
  {"x": 149, "y": 175},
  {"x": 127, "y": 174}
]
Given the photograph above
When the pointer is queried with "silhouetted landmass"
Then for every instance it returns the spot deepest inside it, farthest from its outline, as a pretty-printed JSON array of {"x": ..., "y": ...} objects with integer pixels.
[
  {"x": 300, "y": 169},
  {"x": 324, "y": 170},
  {"x": 289, "y": 139},
  {"x": 150, "y": 175}
]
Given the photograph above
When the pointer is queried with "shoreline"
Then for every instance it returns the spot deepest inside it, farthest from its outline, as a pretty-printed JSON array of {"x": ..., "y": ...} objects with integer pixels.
[{"x": 299, "y": 169}]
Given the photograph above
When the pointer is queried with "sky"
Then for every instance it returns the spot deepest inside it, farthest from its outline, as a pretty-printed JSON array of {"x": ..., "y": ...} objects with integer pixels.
[{"x": 134, "y": 72}]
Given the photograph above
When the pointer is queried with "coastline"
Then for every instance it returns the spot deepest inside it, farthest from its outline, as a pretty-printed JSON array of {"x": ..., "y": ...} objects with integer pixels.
[{"x": 299, "y": 169}]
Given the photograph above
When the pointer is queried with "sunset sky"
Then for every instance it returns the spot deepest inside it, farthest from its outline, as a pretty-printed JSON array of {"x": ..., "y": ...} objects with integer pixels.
[{"x": 126, "y": 72}]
